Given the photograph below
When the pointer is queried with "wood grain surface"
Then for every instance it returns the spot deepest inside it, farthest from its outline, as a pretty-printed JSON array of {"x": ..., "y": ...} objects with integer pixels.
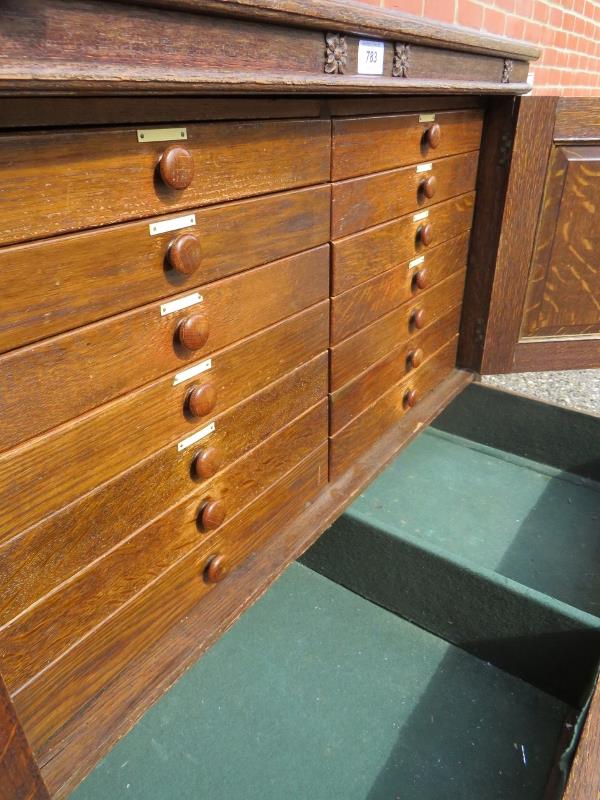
[
  {"x": 360, "y": 203},
  {"x": 55, "y": 549},
  {"x": 530, "y": 153},
  {"x": 563, "y": 292},
  {"x": 108, "y": 176},
  {"x": 577, "y": 119},
  {"x": 20, "y": 777},
  {"x": 57, "y": 284},
  {"x": 55, "y": 698},
  {"x": 370, "y": 144},
  {"x": 358, "y": 307},
  {"x": 353, "y": 398},
  {"x": 99, "y": 445},
  {"x": 584, "y": 779},
  {"x": 58, "y": 379},
  {"x": 42, "y": 633},
  {"x": 364, "y": 430},
  {"x": 359, "y": 351},
  {"x": 363, "y": 255}
]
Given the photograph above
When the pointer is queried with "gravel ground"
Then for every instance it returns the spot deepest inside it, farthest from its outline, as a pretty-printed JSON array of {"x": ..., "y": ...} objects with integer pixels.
[{"x": 577, "y": 388}]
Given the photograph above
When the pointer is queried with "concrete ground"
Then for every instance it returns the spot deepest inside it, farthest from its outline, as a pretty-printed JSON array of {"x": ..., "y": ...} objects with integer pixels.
[{"x": 578, "y": 389}]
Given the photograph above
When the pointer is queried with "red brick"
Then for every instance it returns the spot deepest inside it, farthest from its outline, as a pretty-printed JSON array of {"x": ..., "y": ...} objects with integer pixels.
[
  {"x": 541, "y": 12},
  {"x": 408, "y": 6},
  {"x": 561, "y": 39},
  {"x": 569, "y": 22},
  {"x": 505, "y": 5},
  {"x": 515, "y": 27},
  {"x": 469, "y": 14},
  {"x": 442, "y": 10},
  {"x": 494, "y": 21},
  {"x": 556, "y": 17},
  {"x": 533, "y": 32}
]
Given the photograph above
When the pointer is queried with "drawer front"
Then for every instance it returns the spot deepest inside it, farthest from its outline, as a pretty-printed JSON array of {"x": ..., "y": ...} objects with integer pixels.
[
  {"x": 58, "y": 284},
  {"x": 94, "y": 448},
  {"x": 108, "y": 176},
  {"x": 353, "y": 398},
  {"x": 359, "y": 351},
  {"x": 360, "y": 203},
  {"x": 359, "y": 435},
  {"x": 51, "y": 702},
  {"x": 371, "y": 299},
  {"x": 61, "y": 378},
  {"x": 46, "y": 630},
  {"x": 362, "y": 145},
  {"x": 53, "y": 550},
  {"x": 363, "y": 255}
]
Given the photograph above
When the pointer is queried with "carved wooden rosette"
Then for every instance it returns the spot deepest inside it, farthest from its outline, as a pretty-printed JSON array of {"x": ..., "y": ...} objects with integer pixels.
[
  {"x": 401, "y": 59},
  {"x": 506, "y": 70},
  {"x": 336, "y": 53}
]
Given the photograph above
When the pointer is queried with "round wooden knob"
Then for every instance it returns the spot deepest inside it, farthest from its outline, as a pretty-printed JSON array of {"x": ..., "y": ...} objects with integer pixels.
[
  {"x": 207, "y": 462},
  {"x": 425, "y": 234},
  {"x": 416, "y": 357},
  {"x": 433, "y": 135},
  {"x": 184, "y": 254},
  {"x": 215, "y": 569},
  {"x": 202, "y": 399},
  {"x": 410, "y": 398},
  {"x": 176, "y": 167},
  {"x": 417, "y": 318},
  {"x": 192, "y": 331},
  {"x": 421, "y": 278},
  {"x": 212, "y": 514},
  {"x": 428, "y": 186}
]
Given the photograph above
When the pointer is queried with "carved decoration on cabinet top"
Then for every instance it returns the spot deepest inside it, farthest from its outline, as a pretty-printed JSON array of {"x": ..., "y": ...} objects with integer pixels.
[
  {"x": 507, "y": 70},
  {"x": 336, "y": 53},
  {"x": 401, "y": 60}
]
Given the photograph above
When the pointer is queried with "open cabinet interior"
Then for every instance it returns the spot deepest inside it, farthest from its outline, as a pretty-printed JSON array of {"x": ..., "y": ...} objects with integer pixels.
[{"x": 232, "y": 291}]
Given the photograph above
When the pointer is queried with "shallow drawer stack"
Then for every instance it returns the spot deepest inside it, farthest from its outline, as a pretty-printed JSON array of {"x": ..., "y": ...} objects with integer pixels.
[
  {"x": 163, "y": 340},
  {"x": 402, "y": 207}
]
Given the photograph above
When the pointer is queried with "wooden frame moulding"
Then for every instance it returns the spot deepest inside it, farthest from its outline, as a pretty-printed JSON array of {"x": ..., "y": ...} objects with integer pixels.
[{"x": 190, "y": 46}]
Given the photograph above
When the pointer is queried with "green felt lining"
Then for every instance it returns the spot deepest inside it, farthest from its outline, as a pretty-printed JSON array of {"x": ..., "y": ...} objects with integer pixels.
[
  {"x": 317, "y": 694},
  {"x": 486, "y": 549}
]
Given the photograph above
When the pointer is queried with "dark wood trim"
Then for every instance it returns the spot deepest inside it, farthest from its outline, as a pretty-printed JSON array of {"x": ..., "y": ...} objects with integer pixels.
[
  {"x": 584, "y": 779},
  {"x": 20, "y": 778},
  {"x": 530, "y": 154},
  {"x": 357, "y": 18},
  {"x": 119, "y": 705},
  {"x": 492, "y": 180},
  {"x": 54, "y": 47},
  {"x": 556, "y": 354}
]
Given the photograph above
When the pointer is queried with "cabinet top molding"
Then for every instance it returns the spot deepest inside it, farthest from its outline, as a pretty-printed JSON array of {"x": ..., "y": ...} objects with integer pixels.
[
  {"x": 360, "y": 19},
  {"x": 84, "y": 47}
]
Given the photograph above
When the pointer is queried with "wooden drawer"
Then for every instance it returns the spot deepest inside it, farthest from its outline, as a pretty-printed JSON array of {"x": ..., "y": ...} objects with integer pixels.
[
  {"x": 51, "y": 382},
  {"x": 358, "y": 307},
  {"x": 54, "y": 624},
  {"x": 363, "y": 255},
  {"x": 359, "y": 351},
  {"x": 90, "y": 450},
  {"x": 362, "y": 145},
  {"x": 360, "y": 203},
  {"x": 64, "y": 181},
  {"x": 58, "y": 284},
  {"x": 50, "y": 704},
  {"x": 53, "y": 550},
  {"x": 354, "y": 397},
  {"x": 367, "y": 428}
]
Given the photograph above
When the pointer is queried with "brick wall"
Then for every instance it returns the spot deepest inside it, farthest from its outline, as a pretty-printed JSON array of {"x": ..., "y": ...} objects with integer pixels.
[{"x": 567, "y": 30}]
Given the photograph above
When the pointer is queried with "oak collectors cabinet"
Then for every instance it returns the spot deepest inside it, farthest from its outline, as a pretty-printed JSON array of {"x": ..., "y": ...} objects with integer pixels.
[{"x": 247, "y": 252}]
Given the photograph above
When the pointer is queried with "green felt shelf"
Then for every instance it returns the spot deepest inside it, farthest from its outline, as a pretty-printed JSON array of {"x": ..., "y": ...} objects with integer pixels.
[
  {"x": 492, "y": 551},
  {"x": 318, "y": 694}
]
